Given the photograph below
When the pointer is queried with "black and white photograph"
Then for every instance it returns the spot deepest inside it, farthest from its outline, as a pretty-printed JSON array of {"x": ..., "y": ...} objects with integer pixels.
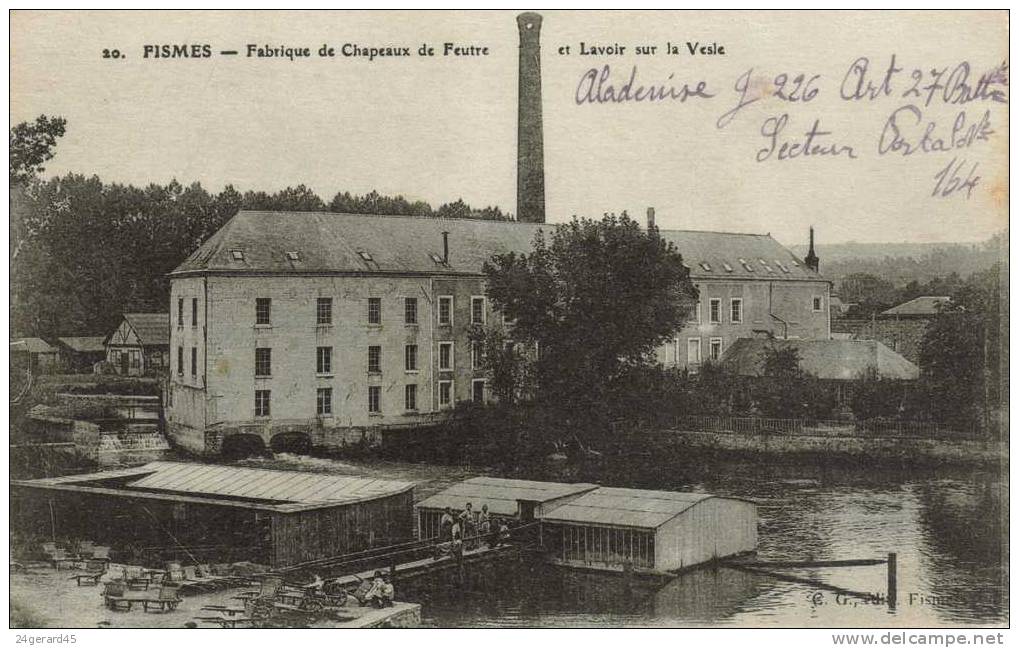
[{"x": 554, "y": 319}]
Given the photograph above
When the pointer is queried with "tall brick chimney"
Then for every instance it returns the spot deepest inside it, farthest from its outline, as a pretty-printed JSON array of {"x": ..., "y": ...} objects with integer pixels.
[
  {"x": 811, "y": 259},
  {"x": 530, "y": 147}
]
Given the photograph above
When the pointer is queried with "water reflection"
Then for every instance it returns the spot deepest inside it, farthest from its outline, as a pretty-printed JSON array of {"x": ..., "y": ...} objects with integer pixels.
[{"x": 945, "y": 524}]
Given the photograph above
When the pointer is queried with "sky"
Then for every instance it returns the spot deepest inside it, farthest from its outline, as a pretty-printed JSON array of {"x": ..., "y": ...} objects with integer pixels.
[{"x": 440, "y": 128}]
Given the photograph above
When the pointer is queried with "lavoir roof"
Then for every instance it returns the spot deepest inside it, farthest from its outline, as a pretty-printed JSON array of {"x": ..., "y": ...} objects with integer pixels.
[
  {"x": 209, "y": 483},
  {"x": 324, "y": 242},
  {"x": 626, "y": 507},
  {"x": 501, "y": 495}
]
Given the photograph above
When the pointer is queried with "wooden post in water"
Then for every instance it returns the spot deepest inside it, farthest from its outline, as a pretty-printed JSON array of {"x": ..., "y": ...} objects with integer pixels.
[{"x": 892, "y": 581}]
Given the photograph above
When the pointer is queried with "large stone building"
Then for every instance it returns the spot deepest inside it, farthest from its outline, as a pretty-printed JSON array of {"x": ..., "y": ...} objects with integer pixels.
[{"x": 338, "y": 325}]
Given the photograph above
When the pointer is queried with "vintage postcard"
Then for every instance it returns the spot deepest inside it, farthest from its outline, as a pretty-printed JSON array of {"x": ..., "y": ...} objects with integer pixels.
[{"x": 503, "y": 319}]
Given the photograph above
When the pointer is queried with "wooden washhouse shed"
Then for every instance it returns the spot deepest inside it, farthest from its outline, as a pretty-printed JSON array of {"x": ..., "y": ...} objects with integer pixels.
[
  {"x": 214, "y": 513},
  {"x": 652, "y": 531},
  {"x": 518, "y": 499}
]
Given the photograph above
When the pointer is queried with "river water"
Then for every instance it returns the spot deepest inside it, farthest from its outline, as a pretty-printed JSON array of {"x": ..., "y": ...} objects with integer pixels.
[{"x": 947, "y": 525}]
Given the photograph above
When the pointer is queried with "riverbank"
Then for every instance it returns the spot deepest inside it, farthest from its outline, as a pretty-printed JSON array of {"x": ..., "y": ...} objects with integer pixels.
[
  {"x": 811, "y": 448},
  {"x": 48, "y": 598}
]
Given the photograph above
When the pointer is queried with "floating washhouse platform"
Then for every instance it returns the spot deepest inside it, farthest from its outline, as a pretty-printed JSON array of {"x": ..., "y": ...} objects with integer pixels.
[
  {"x": 651, "y": 531},
  {"x": 518, "y": 499},
  {"x": 219, "y": 513}
]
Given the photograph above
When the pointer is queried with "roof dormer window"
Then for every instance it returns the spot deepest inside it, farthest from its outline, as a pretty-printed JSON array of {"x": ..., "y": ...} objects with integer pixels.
[
  {"x": 436, "y": 258},
  {"x": 704, "y": 264},
  {"x": 728, "y": 268},
  {"x": 293, "y": 255},
  {"x": 782, "y": 267},
  {"x": 238, "y": 255},
  {"x": 766, "y": 266},
  {"x": 746, "y": 266},
  {"x": 365, "y": 255}
]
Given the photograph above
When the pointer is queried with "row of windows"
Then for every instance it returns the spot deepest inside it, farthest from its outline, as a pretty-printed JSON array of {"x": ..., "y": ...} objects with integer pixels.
[
  {"x": 324, "y": 310},
  {"x": 693, "y": 350},
  {"x": 194, "y": 361},
  {"x": 324, "y": 398},
  {"x": 180, "y": 312},
  {"x": 736, "y": 309},
  {"x": 324, "y": 358}
]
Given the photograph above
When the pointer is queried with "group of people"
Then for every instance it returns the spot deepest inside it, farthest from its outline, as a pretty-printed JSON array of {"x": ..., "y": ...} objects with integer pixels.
[{"x": 471, "y": 526}]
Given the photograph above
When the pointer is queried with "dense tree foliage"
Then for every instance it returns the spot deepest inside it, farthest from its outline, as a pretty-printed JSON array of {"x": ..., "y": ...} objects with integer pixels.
[
  {"x": 83, "y": 251},
  {"x": 594, "y": 301},
  {"x": 961, "y": 360},
  {"x": 32, "y": 144}
]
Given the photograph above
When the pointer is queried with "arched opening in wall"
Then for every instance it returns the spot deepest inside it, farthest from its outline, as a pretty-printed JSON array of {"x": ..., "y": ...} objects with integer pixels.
[
  {"x": 238, "y": 446},
  {"x": 292, "y": 442}
]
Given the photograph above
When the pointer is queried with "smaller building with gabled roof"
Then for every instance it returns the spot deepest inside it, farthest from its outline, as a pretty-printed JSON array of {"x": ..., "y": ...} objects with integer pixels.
[
  {"x": 80, "y": 354},
  {"x": 185, "y": 510},
  {"x": 35, "y": 354},
  {"x": 518, "y": 499},
  {"x": 140, "y": 345},
  {"x": 648, "y": 530},
  {"x": 922, "y": 307}
]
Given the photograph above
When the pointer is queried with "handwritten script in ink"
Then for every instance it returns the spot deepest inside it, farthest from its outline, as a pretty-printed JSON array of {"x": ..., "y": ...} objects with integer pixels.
[{"x": 788, "y": 134}]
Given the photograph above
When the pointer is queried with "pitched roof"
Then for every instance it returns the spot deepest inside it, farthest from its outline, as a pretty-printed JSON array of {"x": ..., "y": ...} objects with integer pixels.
[
  {"x": 152, "y": 329},
  {"x": 31, "y": 345},
  {"x": 284, "y": 490},
  {"x": 84, "y": 344},
  {"x": 825, "y": 359},
  {"x": 501, "y": 495},
  {"x": 918, "y": 307},
  {"x": 309, "y": 242},
  {"x": 630, "y": 507}
]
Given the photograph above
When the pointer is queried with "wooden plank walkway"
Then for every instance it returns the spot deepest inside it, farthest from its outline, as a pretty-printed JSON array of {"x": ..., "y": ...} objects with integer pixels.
[{"x": 428, "y": 565}]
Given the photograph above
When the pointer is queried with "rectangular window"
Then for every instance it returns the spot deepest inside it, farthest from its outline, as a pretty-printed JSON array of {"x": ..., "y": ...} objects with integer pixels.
[
  {"x": 324, "y": 401},
  {"x": 693, "y": 351},
  {"x": 445, "y": 393},
  {"x": 374, "y": 310},
  {"x": 134, "y": 357},
  {"x": 445, "y": 356},
  {"x": 180, "y": 311},
  {"x": 817, "y": 304},
  {"x": 324, "y": 360},
  {"x": 262, "y": 402},
  {"x": 194, "y": 311},
  {"x": 410, "y": 357},
  {"x": 715, "y": 311},
  {"x": 374, "y": 359},
  {"x": 263, "y": 308},
  {"x": 410, "y": 310},
  {"x": 180, "y": 360},
  {"x": 194, "y": 361},
  {"x": 446, "y": 310},
  {"x": 375, "y": 399},
  {"x": 324, "y": 311},
  {"x": 736, "y": 310},
  {"x": 263, "y": 362},
  {"x": 477, "y": 310},
  {"x": 715, "y": 349},
  {"x": 477, "y": 354},
  {"x": 410, "y": 397},
  {"x": 478, "y": 391}
]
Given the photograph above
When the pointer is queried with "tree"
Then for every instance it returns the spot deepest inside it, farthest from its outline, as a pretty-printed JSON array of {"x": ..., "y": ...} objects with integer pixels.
[
  {"x": 594, "y": 301},
  {"x": 960, "y": 355},
  {"x": 31, "y": 145},
  {"x": 871, "y": 294},
  {"x": 786, "y": 391}
]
